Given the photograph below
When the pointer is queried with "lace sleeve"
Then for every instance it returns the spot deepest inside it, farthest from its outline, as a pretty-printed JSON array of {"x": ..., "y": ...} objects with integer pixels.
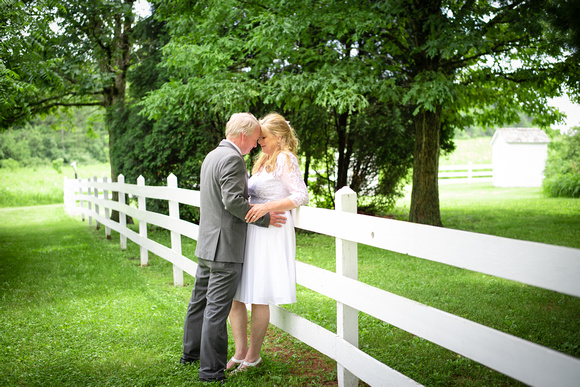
[{"x": 288, "y": 170}]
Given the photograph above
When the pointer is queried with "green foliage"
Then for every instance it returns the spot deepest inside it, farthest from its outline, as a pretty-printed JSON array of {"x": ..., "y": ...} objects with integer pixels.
[
  {"x": 351, "y": 76},
  {"x": 240, "y": 58},
  {"x": 562, "y": 185},
  {"x": 81, "y": 137},
  {"x": 57, "y": 165},
  {"x": 562, "y": 173},
  {"x": 9, "y": 164}
]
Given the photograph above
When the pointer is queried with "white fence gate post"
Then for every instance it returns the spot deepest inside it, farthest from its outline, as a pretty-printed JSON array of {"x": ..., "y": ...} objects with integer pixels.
[
  {"x": 96, "y": 194},
  {"x": 175, "y": 236},
  {"x": 346, "y": 265},
  {"x": 90, "y": 192},
  {"x": 107, "y": 211},
  {"x": 469, "y": 172},
  {"x": 142, "y": 223},
  {"x": 82, "y": 203},
  {"x": 122, "y": 216}
]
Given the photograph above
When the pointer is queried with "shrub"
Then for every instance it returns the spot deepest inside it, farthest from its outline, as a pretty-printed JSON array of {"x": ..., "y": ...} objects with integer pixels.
[
  {"x": 562, "y": 172},
  {"x": 10, "y": 164},
  {"x": 562, "y": 185},
  {"x": 57, "y": 164}
]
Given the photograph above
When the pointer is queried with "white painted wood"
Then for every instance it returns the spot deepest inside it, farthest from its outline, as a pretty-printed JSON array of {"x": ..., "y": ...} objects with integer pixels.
[
  {"x": 346, "y": 265},
  {"x": 122, "y": 216},
  {"x": 107, "y": 214},
  {"x": 82, "y": 202},
  {"x": 90, "y": 204},
  {"x": 182, "y": 227},
  {"x": 552, "y": 267},
  {"x": 142, "y": 223},
  {"x": 510, "y": 355},
  {"x": 96, "y": 194},
  {"x": 164, "y": 252},
  {"x": 175, "y": 236},
  {"x": 469, "y": 173},
  {"x": 365, "y": 367}
]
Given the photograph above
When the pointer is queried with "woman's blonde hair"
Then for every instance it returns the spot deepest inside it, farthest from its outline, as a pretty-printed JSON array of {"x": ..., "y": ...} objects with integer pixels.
[{"x": 276, "y": 125}]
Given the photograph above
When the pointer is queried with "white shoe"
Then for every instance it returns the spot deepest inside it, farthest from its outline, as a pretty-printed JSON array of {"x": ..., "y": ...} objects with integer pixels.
[
  {"x": 245, "y": 365},
  {"x": 235, "y": 361}
]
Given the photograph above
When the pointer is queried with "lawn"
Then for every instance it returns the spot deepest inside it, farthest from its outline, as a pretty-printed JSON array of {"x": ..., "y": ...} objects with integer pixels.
[
  {"x": 41, "y": 185},
  {"x": 76, "y": 310}
]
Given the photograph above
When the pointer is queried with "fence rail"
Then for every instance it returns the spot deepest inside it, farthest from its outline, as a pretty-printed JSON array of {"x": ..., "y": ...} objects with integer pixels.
[
  {"x": 551, "y": 267},
  {"x": 469, "y": 173}
]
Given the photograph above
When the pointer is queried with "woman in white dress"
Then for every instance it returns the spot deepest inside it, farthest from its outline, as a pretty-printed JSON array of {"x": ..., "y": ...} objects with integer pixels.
[{"x": 269, "y": 274}]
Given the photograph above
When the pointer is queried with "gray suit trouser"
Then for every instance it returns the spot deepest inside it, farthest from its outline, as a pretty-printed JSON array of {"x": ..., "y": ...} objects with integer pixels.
[{"x": 205, "y": 335}]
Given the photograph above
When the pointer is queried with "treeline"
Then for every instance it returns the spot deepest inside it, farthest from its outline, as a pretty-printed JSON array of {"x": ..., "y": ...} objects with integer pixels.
[
  {"x": 375, "y": 90},
  {"x": 79, "y": 137}
]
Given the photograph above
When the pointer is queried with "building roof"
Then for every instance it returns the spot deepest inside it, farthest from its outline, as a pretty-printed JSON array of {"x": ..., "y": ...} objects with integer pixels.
[{"x": 521, "y": 136}]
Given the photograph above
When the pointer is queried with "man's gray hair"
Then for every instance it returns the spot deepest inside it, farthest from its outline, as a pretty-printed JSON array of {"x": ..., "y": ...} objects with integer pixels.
[{"x": 241, "y": 123}]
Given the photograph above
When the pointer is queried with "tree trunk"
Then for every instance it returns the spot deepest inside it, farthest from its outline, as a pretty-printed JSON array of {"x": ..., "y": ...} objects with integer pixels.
[
  {"x": 115, "y": 94},
  {"x": 307, "y": 169},
  {"x": 343, "y": 153},
  {"x": 425, "y": 194}
]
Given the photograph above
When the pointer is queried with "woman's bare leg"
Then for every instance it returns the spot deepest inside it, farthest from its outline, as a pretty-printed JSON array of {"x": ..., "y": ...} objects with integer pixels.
[
  {"x": 239, "y": 323},
  {"x": 258, "y": 328}
]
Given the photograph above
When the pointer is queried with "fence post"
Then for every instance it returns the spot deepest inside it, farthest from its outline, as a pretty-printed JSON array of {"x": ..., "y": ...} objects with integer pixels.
[
  {"x": 122, "y": 216},
  {"x": 469, "y": 172},
  {"x": 90, "y": 205},
  {"x": 82, "y": 203},
  {"x": 107, "y": 212},
  {"x": 96, "y": 193},
  {"x": 346, "y": 265},
  {"x": 142, "y": 223},
  {"x": 175, "y": 236}
]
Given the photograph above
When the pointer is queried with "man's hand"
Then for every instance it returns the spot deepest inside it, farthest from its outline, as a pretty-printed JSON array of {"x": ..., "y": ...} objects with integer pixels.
[{"x": 277, "y": 219}]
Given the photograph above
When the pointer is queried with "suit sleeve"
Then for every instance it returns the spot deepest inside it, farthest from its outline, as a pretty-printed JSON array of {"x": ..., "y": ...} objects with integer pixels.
[{"x": 233, "y": 182}]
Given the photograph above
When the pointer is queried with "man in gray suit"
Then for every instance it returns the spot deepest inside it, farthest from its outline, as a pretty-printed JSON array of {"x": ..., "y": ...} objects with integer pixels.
[{"x": 220, "y": 246}]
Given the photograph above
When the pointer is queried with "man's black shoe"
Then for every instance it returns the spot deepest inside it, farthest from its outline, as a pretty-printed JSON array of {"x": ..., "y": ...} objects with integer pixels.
[
  {"x": 187, "y": 361},
  {"x": 214, "y": 380}
]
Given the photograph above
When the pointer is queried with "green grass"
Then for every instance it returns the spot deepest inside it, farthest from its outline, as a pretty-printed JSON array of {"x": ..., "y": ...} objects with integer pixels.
[
  {"x": 476, "y": 150},
  {"x": 76, "y": 310},
  {"x": 41, "y": 185}
]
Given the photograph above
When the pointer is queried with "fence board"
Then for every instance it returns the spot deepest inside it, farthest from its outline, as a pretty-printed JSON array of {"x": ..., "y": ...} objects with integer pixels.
[
  {"x": 547, "y": 266},
  {"x": 365, "y": 367},
  {"x": 510, "y": 355},
  {"x": 551, "y": 267}
]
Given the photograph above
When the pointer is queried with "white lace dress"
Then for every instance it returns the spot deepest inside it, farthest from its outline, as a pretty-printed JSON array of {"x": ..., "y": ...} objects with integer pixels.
[{"x": 269, "y": 272}]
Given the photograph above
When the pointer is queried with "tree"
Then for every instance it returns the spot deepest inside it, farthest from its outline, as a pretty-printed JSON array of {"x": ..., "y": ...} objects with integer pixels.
[
  {"x": 449, "y": 63},
  {"x": 258, "y": 56},
  {"x": 66, "y": 53}
]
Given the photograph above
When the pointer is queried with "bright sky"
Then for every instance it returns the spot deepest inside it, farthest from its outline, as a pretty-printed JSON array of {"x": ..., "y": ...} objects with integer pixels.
[
  {"x": 143, "y": 8},
  {"x": 572, "y": 110}
]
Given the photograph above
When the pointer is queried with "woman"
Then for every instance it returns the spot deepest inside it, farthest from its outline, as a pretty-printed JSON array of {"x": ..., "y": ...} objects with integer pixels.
[{"x": 269, "y": 274}]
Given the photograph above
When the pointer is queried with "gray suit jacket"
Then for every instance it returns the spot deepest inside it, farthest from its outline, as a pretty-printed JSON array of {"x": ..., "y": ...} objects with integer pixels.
[{"x": 224, "y": 203}]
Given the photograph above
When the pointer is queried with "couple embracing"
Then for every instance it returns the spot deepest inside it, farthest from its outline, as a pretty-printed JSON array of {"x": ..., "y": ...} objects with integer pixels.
[{"x": 246, "y": 252}]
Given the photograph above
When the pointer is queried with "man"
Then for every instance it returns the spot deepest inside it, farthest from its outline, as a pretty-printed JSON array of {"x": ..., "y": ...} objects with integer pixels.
[{"x": 220, "y": 246}]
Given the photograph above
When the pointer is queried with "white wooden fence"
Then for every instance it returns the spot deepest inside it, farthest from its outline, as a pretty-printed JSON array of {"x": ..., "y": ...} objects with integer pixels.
[
  {"x": 551, "y": 267},
  {"x": 470, "y": 173}
]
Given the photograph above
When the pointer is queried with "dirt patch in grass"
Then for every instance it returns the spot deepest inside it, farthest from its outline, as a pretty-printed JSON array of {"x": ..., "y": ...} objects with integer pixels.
[{"x": 300, "y": 359}]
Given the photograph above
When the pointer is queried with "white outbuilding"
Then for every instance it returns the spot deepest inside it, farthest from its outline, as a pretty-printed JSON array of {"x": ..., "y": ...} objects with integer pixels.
[{"x": 519, "y": 157}]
